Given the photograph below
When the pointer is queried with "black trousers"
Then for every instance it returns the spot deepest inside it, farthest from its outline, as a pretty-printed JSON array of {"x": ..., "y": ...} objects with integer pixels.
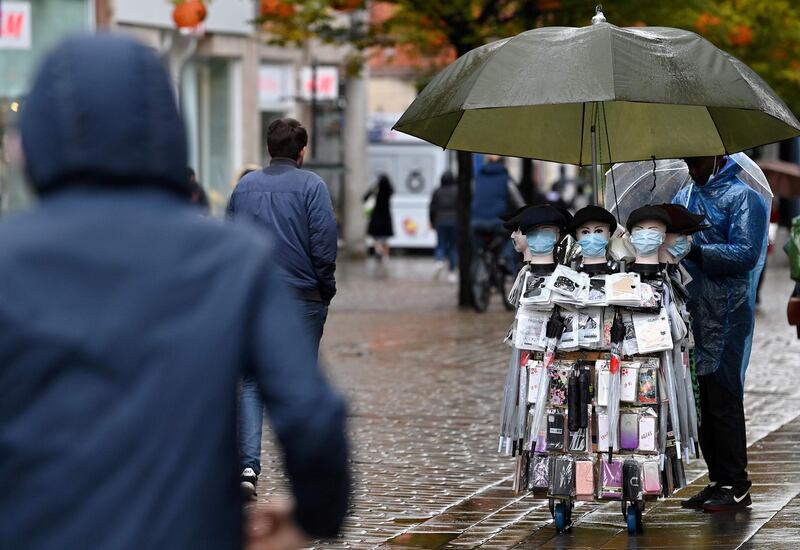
[{"x": 722, "y": 433}]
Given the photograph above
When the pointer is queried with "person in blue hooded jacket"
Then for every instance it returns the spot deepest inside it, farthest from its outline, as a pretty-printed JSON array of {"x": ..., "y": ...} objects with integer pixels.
[
  {"x": 721, "y": 261},
  {"x": 126, "y": 321}
]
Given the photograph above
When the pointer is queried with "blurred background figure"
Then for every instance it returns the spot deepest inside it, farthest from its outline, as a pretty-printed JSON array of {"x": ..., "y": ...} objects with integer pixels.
[
  {"x": 380, "y": 226},
  {"x": 443, "y": 216},
  {"x": 197, "y": 193},
  {"x": 126, "y": 321}
]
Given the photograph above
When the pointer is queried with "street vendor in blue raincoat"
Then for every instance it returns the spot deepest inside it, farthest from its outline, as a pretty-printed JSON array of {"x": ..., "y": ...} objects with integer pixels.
[{"x": 722, "y": 261}]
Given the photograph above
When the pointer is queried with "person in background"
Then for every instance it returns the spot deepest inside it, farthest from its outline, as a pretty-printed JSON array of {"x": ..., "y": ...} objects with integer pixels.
[
  {"x": 126, "y": 321},
  {"x": 723, "y": 262},
  {"x": 380, "y": 226},
  {"x": 294, "y": 207},
  {"x": 443, "y": 213},
  {"x": 197, "y": 193}
]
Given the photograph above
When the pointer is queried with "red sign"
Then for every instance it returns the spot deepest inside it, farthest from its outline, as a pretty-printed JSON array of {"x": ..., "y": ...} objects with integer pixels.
[{"x": 15, "y": 25}]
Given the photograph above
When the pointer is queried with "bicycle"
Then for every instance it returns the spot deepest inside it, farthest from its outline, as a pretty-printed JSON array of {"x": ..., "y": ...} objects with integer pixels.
[{"x": 490, "y": 270}]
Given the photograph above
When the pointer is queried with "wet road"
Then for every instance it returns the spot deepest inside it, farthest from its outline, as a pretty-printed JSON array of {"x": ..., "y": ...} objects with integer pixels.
[{"x": 424, "y": 381}]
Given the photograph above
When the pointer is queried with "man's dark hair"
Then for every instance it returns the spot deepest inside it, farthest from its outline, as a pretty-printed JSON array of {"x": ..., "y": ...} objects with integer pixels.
[{"x": 286, "y": 137}]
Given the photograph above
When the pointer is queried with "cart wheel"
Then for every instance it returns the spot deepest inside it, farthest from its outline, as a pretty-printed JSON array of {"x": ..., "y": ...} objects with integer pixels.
[
  {"x": 561, "y": 517},
  {"x": 633, "y": 520}
]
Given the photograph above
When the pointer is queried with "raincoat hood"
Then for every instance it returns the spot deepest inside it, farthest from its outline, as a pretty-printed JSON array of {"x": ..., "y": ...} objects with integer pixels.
[
  {"x": 102, "y": 112},
  {"x": 729, "y": 169}
]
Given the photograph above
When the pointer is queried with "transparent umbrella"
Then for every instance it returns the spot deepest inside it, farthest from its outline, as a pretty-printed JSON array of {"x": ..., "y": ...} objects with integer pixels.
[{"x": 630, "y": 185}]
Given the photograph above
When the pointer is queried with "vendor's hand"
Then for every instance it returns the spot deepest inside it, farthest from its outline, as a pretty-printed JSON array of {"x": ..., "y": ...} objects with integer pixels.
[{"x": 271, "y": 527}]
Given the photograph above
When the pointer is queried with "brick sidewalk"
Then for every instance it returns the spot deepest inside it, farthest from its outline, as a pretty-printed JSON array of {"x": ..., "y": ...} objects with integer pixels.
[{"x": 424, "y": 381}]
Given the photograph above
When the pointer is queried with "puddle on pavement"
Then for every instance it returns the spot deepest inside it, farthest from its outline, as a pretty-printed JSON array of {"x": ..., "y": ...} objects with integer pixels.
[{"x": 429, "y": 541}]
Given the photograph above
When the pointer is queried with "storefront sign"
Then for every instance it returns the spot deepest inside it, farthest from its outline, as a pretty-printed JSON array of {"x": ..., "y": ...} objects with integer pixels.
[
  {"x": 15, "y": 25},
  {"x": 327, "y": 83},
  {"x": 275, "y": 87}
]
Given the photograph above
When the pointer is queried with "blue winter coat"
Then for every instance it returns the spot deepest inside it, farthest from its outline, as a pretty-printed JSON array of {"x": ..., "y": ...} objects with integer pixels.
[
  {"x": 721, "y": 295},
  {"x": 294, "y": 205},
  {"x": 126, "y": 319},
  {"x": 490, "y": 199}
]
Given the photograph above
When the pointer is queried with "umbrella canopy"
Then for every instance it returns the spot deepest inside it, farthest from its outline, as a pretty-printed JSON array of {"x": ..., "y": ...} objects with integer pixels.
[
  {"x": 630, "y": 185},
  {"x": 651, "y": 92},
  {"x": 784, "y": 177}
]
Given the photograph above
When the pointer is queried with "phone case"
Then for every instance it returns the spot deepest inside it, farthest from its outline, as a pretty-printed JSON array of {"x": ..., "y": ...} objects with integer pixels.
[
  {"x": 555, "y": 431},
  {"x": 611, "y": 480},
  {"x": 584, "y": 478},
  {"x": 631, "y": 480},
  {"x": 601, "y": 388},
  {"x": 534, "y": 378},
  {"x": 602, "y": 431},
  {"x": 539, "y": 477},
  {"x": 558, "y": 385},
  {"x": 648, "y": 386},
  {"x": 628, "y": 431},
  {"x": 562, "y": 482},
  {"x": 647, "y": 433},
  {"x": 629, "y": 382},
  {"x": 579, "y": 441},
  {"x": 651, "y": 476}
]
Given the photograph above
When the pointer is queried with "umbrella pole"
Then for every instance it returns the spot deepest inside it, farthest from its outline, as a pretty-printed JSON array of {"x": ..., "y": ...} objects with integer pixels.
[{"x": 595, "y": 181}]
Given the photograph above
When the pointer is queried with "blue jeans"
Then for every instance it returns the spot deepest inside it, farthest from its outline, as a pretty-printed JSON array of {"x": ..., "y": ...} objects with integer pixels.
[
  {"x": 446, "y": 243},
  {"x": 251, "y": 404}
]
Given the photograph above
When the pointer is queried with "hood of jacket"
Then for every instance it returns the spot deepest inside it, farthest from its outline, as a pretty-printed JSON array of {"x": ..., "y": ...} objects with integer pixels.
[{"x": 101, "y": 111}]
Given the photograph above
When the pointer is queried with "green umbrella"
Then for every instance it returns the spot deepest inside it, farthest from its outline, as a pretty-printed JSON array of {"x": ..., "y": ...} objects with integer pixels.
[{"x": 649, "y": 92}]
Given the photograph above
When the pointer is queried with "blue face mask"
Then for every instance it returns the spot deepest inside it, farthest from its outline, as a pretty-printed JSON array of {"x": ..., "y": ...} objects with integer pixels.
[
  {"x": 541, "y": 241},
  {"x": 647, "y": 241},
  {"x": 593, "y": 245},
  {"x": 680, "y": 247}
]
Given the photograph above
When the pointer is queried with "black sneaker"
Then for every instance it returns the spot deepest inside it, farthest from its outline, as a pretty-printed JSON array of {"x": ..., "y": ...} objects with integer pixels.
[
  {"x": 697, "y": 501},
  {"x": 728, "y": 498},
  {"x": 248, "y": 481}
]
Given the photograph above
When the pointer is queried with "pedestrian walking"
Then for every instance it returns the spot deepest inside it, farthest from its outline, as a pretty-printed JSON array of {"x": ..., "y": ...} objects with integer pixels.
[
  {"x": 380, "y": 226},
  {"x": 197, "y": 195},
  {"x": 126, "y": 321},
  {"x": 443, "y": 213},
  {"x": 294, "y": 207},
  {"x": 722, "y": 262}
]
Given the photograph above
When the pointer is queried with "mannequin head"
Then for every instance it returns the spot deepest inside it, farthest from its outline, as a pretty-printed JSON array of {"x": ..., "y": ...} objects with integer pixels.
[
  {"x": 520, "y": 243},
  {"x": 591, "y": 236},
  {"x": 675, "y": 247},
  {"x": 592, "y": 227},
  {"x": 678, "y": 240},
  {"x": 648, "y": 227},
  {"x": 541, "y": 242}
]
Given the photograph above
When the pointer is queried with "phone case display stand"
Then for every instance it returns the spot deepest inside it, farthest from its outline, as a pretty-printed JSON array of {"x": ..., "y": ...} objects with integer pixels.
[{"x": 598, "y": 400}]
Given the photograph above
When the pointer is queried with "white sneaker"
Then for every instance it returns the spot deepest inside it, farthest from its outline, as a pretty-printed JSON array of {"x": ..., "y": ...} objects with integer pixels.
[
  {"x": 452, "y": 277},
  {"x": 438, "y": 267},
  {"x": 248, "y": 481}
]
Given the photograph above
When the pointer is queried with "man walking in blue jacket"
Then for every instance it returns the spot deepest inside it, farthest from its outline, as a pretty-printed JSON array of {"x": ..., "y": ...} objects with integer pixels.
[
  {"x": 126, "y": 321},
  {"x": 295, "y": 207}
]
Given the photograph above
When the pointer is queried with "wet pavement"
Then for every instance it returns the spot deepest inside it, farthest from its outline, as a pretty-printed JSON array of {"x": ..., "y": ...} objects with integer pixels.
[{"x": 424, "y": 381}]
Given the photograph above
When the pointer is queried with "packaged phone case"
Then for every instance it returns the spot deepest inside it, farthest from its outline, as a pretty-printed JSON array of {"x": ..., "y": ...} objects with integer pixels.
[
  {"x": 651, "y": 477},
  {"x": 559, "y": 378},
  {"x": 530, "y": 328},
  {"x": 601, "y": 387},
  {"x": 602, "y": 430},
  {"x": 648, "y": 384},
  {"x": 647, "y": 431},
  {"x": 556, "y": 428},
  {"x": 584, "y": 478},
  {"x": 629, "y": 381},
  {"x": 610, "y": 479},
  {"x": 562, "y": 482},
  {"x": 579, "y": 441},
  {"x": 631, "y": 480},
  {"x": 628, "y": 430},
  {"x": 535, "y": 290},
  {"x": 534, "y": 379},
  {"x": 539, "y": 476}
]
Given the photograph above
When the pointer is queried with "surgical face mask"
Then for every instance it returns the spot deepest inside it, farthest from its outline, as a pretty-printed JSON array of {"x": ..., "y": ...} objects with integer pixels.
[
  {"x": 680, "y": 248},
  {"x": 647, "y": 241},
  {"x": 593, "y": 245},
  {"x": 542, "y": 241}
]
